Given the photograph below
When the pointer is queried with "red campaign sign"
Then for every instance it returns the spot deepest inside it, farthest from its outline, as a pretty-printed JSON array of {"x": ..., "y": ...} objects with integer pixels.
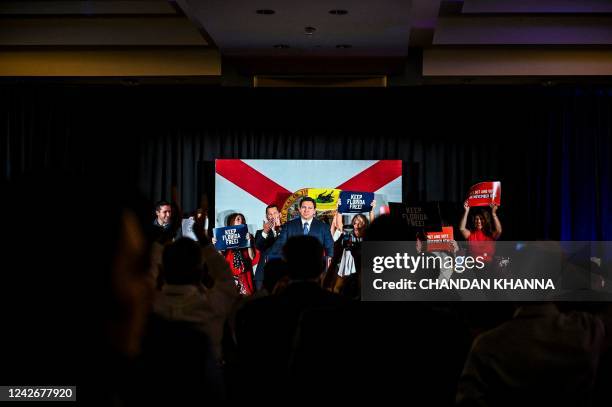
[
  {"x": 485, "y": 193},
  {"x": 440, "y": 241}
]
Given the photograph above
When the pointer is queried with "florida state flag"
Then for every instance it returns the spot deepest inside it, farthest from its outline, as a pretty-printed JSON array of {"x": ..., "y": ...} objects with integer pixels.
[
  {"x": 247, "y": 186},
  {"x": 484, "y": 194}
]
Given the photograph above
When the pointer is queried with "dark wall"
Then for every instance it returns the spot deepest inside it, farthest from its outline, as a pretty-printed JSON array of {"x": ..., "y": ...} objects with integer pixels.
[{"x": 550, "y": 147}]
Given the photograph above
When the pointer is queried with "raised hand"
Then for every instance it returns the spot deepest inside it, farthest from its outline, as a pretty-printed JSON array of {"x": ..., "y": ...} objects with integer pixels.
[{"x": 267, "y": 226}]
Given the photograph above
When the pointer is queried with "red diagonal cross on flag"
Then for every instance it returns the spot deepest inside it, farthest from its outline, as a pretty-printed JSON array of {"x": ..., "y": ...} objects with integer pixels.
[
  {"x": 267, "y": 191},
  {"x": 252, "y": 181}
]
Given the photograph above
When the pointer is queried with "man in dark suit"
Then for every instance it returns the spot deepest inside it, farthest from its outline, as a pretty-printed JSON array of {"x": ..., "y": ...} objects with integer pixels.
[
  {"x": 264, "y": 240},
  {"x": 308, "y": 225},
  {"x": 165, "y": 226}
]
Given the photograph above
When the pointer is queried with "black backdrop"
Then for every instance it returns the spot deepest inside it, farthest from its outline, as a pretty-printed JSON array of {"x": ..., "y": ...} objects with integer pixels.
[{"x": 550, "y": 147}]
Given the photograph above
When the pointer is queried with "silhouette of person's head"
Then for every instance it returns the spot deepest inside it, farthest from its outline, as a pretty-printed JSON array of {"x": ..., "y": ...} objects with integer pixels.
[
  {"x": 304, "y": 257},
  {"x": 181, "y": 261},
  {"x": 274, "y": 271},
  {"x": 387, "y": 228}
]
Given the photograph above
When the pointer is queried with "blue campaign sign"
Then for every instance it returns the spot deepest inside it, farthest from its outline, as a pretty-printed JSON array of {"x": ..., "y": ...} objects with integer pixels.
[
  {"x": 355, "y": 202},
  {"x": 231, "y": 237}
]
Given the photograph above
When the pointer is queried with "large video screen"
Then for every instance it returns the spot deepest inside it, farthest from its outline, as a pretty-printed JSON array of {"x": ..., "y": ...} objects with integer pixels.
[{"x": 248, "y": 186}]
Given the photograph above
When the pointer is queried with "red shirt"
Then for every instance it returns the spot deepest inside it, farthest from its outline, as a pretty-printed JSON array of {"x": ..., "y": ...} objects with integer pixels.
[{"x": 481, "y": 245}]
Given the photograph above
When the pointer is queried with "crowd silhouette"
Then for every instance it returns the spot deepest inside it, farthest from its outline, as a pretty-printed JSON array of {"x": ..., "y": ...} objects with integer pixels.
[{"x": 94, "y": 297}]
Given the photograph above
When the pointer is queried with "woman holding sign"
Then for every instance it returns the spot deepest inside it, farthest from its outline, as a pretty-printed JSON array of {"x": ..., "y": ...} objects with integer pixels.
[
  {"x": 347, "y": 252},
  {"x": 481, "y": 236},
  {"x": 241, "y": 260}
]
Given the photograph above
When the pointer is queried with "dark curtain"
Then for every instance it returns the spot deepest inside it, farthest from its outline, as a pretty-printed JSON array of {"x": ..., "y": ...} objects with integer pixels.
[{"x": 550, "y": 147}]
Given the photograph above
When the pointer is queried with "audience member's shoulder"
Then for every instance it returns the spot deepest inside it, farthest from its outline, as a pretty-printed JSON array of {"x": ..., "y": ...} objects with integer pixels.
[
  {"x": 302, "y": 293},
  {"x": 585, "y": 322},
  {"x": 340, "y": 301},
  {"x": 490, "y": 339},
  {"x": 256, "y": 305},
  {"x": 336, "y": 298},
  {"x": 314, "y": 292},
  {"x": 160, "y": 329}
]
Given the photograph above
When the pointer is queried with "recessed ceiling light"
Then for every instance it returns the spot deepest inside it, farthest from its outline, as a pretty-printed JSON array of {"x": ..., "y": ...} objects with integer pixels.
[
  {"x": 309, "y": 30},
  {"x": 338, "y": 12},
  {"x": 344, "y": 46},
  {"x": 265, "y": 11},
  {"x": 281, "y": 46}
]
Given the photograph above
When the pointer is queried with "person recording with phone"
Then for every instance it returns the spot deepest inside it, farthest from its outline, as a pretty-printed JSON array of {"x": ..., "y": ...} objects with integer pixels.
[{"x": 346, "y": 263}]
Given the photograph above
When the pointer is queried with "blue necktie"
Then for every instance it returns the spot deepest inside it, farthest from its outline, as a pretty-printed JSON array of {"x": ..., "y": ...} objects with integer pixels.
[{"x": 306, "y": 228}]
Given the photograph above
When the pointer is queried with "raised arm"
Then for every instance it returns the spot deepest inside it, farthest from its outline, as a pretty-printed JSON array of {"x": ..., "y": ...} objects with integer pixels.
[
  {"x": 462, "y": 225},
  {"x": 336, "y": 222},
  {"x": 496, "y": 223},
  {"x": 372, "y": 211},
  {"x": 223, "y": 293},
  {"x": 336, "y": 226}
]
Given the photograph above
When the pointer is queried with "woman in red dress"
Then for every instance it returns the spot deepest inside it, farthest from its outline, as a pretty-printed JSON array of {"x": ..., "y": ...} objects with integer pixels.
[
  {"x": 481, "y": 236},
  {"x": 241, "y": 260}
]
